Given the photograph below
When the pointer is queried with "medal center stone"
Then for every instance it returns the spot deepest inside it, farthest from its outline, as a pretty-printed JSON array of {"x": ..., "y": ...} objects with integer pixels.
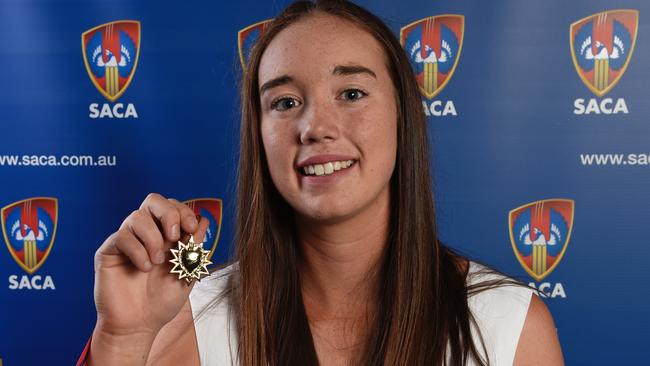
[{"x": 191, "y": 259}]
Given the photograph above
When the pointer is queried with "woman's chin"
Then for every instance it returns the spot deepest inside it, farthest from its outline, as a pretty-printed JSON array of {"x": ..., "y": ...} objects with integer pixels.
[
  {"x": 327, "y": 214},
  {"x": 323, "y": 215}
]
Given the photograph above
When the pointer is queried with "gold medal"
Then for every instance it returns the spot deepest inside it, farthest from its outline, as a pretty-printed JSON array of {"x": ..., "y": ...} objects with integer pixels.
[{"x": 190, "y": 261}]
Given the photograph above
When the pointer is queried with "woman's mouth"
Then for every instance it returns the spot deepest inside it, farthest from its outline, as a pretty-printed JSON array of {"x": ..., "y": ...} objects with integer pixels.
[{"x": 326, "y": 168}]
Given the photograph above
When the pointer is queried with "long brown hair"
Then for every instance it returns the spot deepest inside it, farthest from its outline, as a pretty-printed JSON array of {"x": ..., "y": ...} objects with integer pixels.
[{"x": 422, "y": 315}]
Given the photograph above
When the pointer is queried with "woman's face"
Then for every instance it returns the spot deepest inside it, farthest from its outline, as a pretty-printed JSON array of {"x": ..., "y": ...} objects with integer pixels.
[{"x": 329, "y": 119}]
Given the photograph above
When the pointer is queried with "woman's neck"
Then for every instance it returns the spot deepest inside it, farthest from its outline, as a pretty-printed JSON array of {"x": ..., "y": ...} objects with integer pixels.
[{"x": 339, "y": 262}]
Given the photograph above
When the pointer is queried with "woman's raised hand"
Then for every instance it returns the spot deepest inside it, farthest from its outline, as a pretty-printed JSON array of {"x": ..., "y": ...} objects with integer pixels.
[{"x": 135, "y": 294}]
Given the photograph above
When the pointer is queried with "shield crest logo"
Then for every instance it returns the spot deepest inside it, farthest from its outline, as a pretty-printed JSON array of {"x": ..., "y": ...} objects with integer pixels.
[
  {"x": 111, "y": 53},
  {"x": 247, "y": 37},
  {"x": 433, "y": 45},
  {"x": 29, "y": 227},
  {"x": 601, "y": 47},
  {"x": 539, "y": 233},
  {"x": 211, "y": 209}
]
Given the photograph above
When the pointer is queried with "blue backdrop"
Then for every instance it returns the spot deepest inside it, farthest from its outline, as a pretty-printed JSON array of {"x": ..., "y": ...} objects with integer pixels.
[{"x": 538, "y": 112}]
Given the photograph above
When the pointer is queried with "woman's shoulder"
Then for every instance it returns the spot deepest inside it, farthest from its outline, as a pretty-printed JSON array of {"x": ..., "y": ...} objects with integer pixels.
[
  {"x": 212, "y": 292},
  {"x": 487, "y": 285},
  {"x": 213, "y": 316},
  {"x": 218, "y": 277},
  {"x": 493, "y": 295},
  {"x": 499, "y": 305}
]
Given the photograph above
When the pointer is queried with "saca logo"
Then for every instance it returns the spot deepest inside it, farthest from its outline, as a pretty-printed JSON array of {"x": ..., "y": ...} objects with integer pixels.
[
  {"x": 433, "y": 45},
  {"x": 29, "y": 227},
  {"x": 110, "y": 53},
  {"x": 601, "y": 48}
]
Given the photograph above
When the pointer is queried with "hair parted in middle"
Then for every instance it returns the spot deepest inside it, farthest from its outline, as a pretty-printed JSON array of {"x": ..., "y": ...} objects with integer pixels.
[{"x": 422, "y": 315}]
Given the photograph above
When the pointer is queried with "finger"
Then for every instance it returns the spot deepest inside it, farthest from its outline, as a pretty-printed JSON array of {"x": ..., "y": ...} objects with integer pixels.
[
  {"x": 143, "y": 226},
  {"x": 189, "y": 223},
  {"x": 123, "y": 241},
  {"x": 199, "y": 235},
  {"x": 166, "y": 213}
]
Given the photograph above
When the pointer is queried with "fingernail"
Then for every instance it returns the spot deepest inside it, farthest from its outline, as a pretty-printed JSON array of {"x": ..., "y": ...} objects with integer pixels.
[
  {"x": 176, "y": 232},
  {"x": 160, "y": 257},
  {"x": 194, "y": 222},
  {"x": 147, "y": 265}
]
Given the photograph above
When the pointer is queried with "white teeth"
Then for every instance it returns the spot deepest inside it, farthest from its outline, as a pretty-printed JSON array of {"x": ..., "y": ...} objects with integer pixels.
[
  {"x": 327, "y": 168},
  {"x": 320, "y": 170}
]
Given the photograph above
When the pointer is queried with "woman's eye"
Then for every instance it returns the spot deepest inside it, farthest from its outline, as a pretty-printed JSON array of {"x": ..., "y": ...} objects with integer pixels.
[
  {"x": 283, "y": 104},
  {"x": 353, "y": 94}
]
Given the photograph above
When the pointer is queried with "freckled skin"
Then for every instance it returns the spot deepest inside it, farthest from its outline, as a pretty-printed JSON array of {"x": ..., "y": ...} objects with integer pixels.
[{"x": 324, "y": 119}]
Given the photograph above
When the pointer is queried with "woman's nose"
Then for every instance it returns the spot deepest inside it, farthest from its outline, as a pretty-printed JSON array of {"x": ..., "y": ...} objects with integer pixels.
[{"x": 319, "y": 124}]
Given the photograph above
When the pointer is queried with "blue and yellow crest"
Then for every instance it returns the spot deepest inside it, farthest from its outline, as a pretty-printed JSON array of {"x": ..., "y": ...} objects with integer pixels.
[
  {"x": 247, "y": 37},
  {"x": 433, "y": 45},
  {"x": 211, "y": 209},
  {"x": 601, "y": 47},
  {"x": 29, "y": 227},
  {"x": 111, "y": 53},
  {"x": 539, "y": 233}
]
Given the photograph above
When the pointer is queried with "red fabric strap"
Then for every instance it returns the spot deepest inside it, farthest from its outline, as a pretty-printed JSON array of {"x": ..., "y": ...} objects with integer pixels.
[{"x": 84, "y": 355}]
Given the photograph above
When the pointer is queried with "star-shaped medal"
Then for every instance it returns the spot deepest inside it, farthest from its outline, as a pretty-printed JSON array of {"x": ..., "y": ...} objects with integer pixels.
[{"x": 190, "y": 261}]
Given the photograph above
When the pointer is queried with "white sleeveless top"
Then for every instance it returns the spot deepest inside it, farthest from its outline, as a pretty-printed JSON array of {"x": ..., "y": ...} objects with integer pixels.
[{"x": 499, "y": 312}]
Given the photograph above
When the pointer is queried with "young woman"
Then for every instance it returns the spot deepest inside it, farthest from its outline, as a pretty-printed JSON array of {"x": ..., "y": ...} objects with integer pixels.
[{"x": 338, "y": 261}]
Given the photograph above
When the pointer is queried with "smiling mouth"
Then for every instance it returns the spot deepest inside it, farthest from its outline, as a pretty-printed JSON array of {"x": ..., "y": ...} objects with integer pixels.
[{"x": 326, "y": 168}]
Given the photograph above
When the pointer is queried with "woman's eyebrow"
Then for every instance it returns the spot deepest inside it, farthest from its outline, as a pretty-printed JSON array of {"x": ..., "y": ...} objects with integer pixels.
[
  {"x": 352, "y": 70},
  {"x": 339, "y": 70},
  {"x": 281, "y": 80}
]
